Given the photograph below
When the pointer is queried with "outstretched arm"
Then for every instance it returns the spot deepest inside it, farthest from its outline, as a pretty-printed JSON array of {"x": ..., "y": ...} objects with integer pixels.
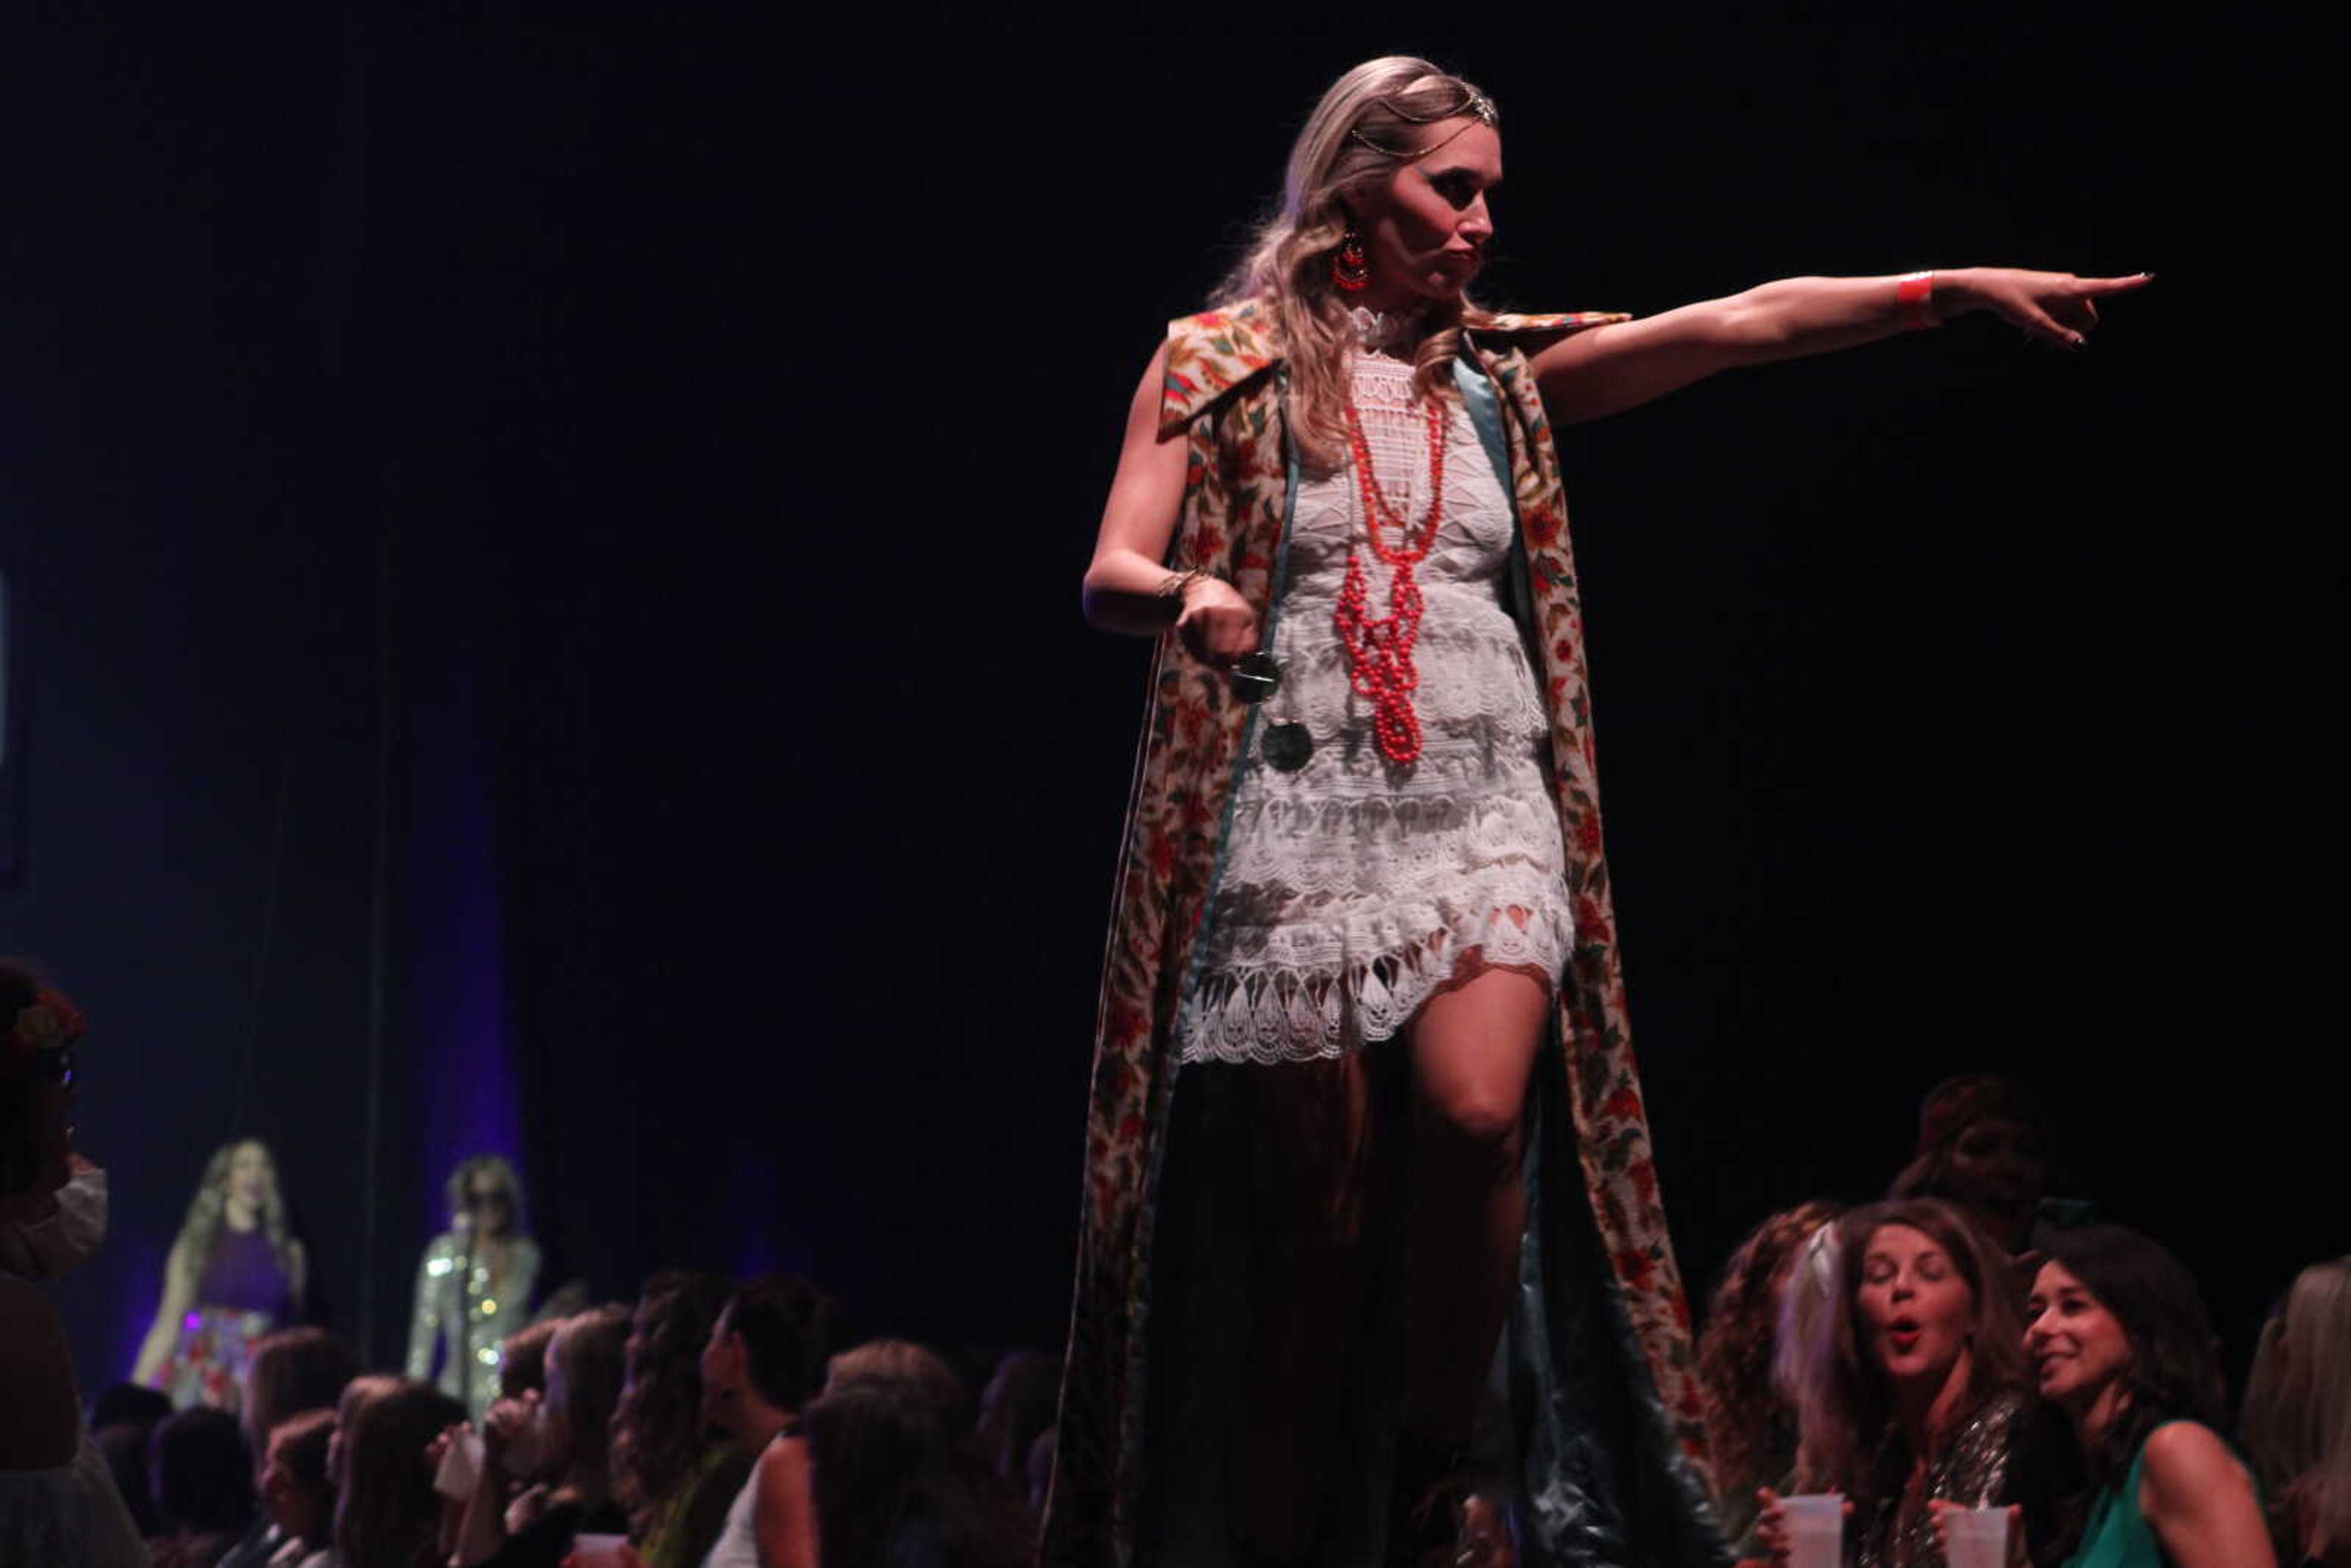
[{"x": 1606, "y": 370}]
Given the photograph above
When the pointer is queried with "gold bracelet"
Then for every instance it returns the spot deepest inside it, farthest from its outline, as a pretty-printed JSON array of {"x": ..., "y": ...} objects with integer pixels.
[{"x": 1171, "y": 592}]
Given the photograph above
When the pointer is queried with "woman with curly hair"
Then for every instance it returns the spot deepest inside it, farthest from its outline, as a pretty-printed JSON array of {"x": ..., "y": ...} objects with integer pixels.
[
  {"x": 235, "y": 1274},
  {"x": 675, "y": 1478},
  {"x": 2298, "y": 1420},
  {"x": 1751, "y": 1417}
]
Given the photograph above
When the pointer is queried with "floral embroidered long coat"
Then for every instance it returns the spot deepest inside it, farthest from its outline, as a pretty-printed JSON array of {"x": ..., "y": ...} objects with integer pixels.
[{"x": 1222, "y": 391}]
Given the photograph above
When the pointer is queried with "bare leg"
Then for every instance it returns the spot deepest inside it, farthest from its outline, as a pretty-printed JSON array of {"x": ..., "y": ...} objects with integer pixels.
[
  {"x": 1309, "y": 1162},
  {"x": 1472, "y": 1049}
]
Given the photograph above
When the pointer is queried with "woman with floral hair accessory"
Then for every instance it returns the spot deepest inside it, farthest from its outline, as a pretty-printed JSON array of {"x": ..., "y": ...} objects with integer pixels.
[
  {"x": 57, "y": 1500},
  {"x": 235, "y": 1272},
  {"x": 1362, "y": 906}
]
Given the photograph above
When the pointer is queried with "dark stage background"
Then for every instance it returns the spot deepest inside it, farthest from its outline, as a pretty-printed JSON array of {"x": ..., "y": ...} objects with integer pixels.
[{"x": 544, "y": 547}]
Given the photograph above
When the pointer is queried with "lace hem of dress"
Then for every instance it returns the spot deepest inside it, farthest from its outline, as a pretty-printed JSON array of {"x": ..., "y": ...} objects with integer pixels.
[
  {"x": 1266, "y": 1014},
  {"x": 1372, "y": 851}
]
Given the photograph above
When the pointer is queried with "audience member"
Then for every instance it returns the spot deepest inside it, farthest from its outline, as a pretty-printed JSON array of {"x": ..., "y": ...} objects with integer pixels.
[
  {"x": 923, "y": 1373},
  {"x": 1920, "y": 1398},
  {"x": 2124, "y": 1353},
  {"x": 292, "y": 1371},
  {"x": 2297, "y": 1418},
  {"x": 121, "y": 1421},
  {"x": 919, "y": 1369},
  {"x": 759, "y": 1369},
  {"x": 522, "y": 1359},
  {"x": 203, "y": 1481},
  {"x": 1018, "y": 1403},
  {"x": 1878, "y": 1356},
  {"x": 1982, "y": 1145},
  {"x": 234, "y": 1272},
  {"x": 57, "y": 1502},
  {"x": 123, "y": 1449},
  {"x": 889, "y": 1487},
  {"x": 128, "y": 1404},
  {"x": 357, "y": 1395},
  {"x": 297, "y": 1501},
  {"x": 559, "y": 1446},
  {"x": 386, "y": 1513},
  {"x": 1750, "y": 1419},
  {"x": 675, "y": 1480},
  {"x": 473, "y": 1284},
  {"x": 1038, "y": 1469}
]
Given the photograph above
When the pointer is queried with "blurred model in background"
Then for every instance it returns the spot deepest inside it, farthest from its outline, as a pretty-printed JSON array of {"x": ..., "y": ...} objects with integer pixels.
[
  {"x": 473, "y": 1284},
  {"x": 235, "y": 1274}
]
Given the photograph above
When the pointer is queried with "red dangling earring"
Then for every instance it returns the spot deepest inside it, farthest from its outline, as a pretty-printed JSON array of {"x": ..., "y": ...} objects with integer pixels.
[{"x": 1350, "y": 269}]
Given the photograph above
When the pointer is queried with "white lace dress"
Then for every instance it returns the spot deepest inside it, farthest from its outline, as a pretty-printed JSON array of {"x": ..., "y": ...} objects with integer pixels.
[{"x": 1352, "y": 888}]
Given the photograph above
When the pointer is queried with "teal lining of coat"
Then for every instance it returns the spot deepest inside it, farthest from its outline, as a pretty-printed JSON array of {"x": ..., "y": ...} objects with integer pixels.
[{"x": 1571, "y": 1483}]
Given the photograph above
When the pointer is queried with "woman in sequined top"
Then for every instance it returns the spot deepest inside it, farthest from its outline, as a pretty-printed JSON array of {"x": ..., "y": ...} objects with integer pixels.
[
  {"x": 1920, "y": 1400},
  {"x": 474, "y": 1283}
]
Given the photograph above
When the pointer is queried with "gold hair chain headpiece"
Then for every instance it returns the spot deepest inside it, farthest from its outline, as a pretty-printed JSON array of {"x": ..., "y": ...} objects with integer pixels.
[{"x": 1473, "y": 105}]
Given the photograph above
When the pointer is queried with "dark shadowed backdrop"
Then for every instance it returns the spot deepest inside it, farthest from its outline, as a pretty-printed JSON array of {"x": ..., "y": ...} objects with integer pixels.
[{"x": 543, "y": 544}]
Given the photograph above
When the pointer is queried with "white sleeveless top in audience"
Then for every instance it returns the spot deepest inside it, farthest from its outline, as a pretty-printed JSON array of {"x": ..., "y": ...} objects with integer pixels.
[{"x": 737, "y": 1545}]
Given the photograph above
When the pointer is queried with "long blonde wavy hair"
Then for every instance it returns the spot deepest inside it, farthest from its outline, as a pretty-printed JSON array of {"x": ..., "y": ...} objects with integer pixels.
[
  {"x": 2297, "y": 1416},
  {"x": 1387, "y": 103},
  {"x": 200, "y": 1232}
]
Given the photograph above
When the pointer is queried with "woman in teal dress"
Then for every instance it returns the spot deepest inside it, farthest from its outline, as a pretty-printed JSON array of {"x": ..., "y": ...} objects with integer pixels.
[{"x": 2123, "y": 1351}]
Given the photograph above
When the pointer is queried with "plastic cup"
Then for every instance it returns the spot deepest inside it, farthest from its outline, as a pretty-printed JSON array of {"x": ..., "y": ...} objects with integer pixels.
[
  {"x": 591, "y": 1551},
  {"x": 460, "y": 1467},
  {"x": 1975, "y": 1536},
  {"x": 1815, "y": 1530}
]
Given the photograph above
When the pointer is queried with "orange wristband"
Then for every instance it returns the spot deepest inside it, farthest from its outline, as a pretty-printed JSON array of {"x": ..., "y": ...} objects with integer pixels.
[{"x": 1916, "y": 291}]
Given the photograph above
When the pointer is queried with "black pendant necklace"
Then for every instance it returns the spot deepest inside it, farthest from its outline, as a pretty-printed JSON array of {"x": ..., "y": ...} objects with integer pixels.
[{"x": 1287, "y": 746}]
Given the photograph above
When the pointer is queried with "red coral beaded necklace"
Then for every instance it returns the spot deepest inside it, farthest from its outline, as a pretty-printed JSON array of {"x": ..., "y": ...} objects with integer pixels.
[{"x": 1379, "y": 652}]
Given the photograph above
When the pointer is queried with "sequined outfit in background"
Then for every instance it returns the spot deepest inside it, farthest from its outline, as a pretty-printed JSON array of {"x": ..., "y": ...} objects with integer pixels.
[
  {"x": 464, "y": 1313},
  {"x": 1971, "y": 1469}
]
